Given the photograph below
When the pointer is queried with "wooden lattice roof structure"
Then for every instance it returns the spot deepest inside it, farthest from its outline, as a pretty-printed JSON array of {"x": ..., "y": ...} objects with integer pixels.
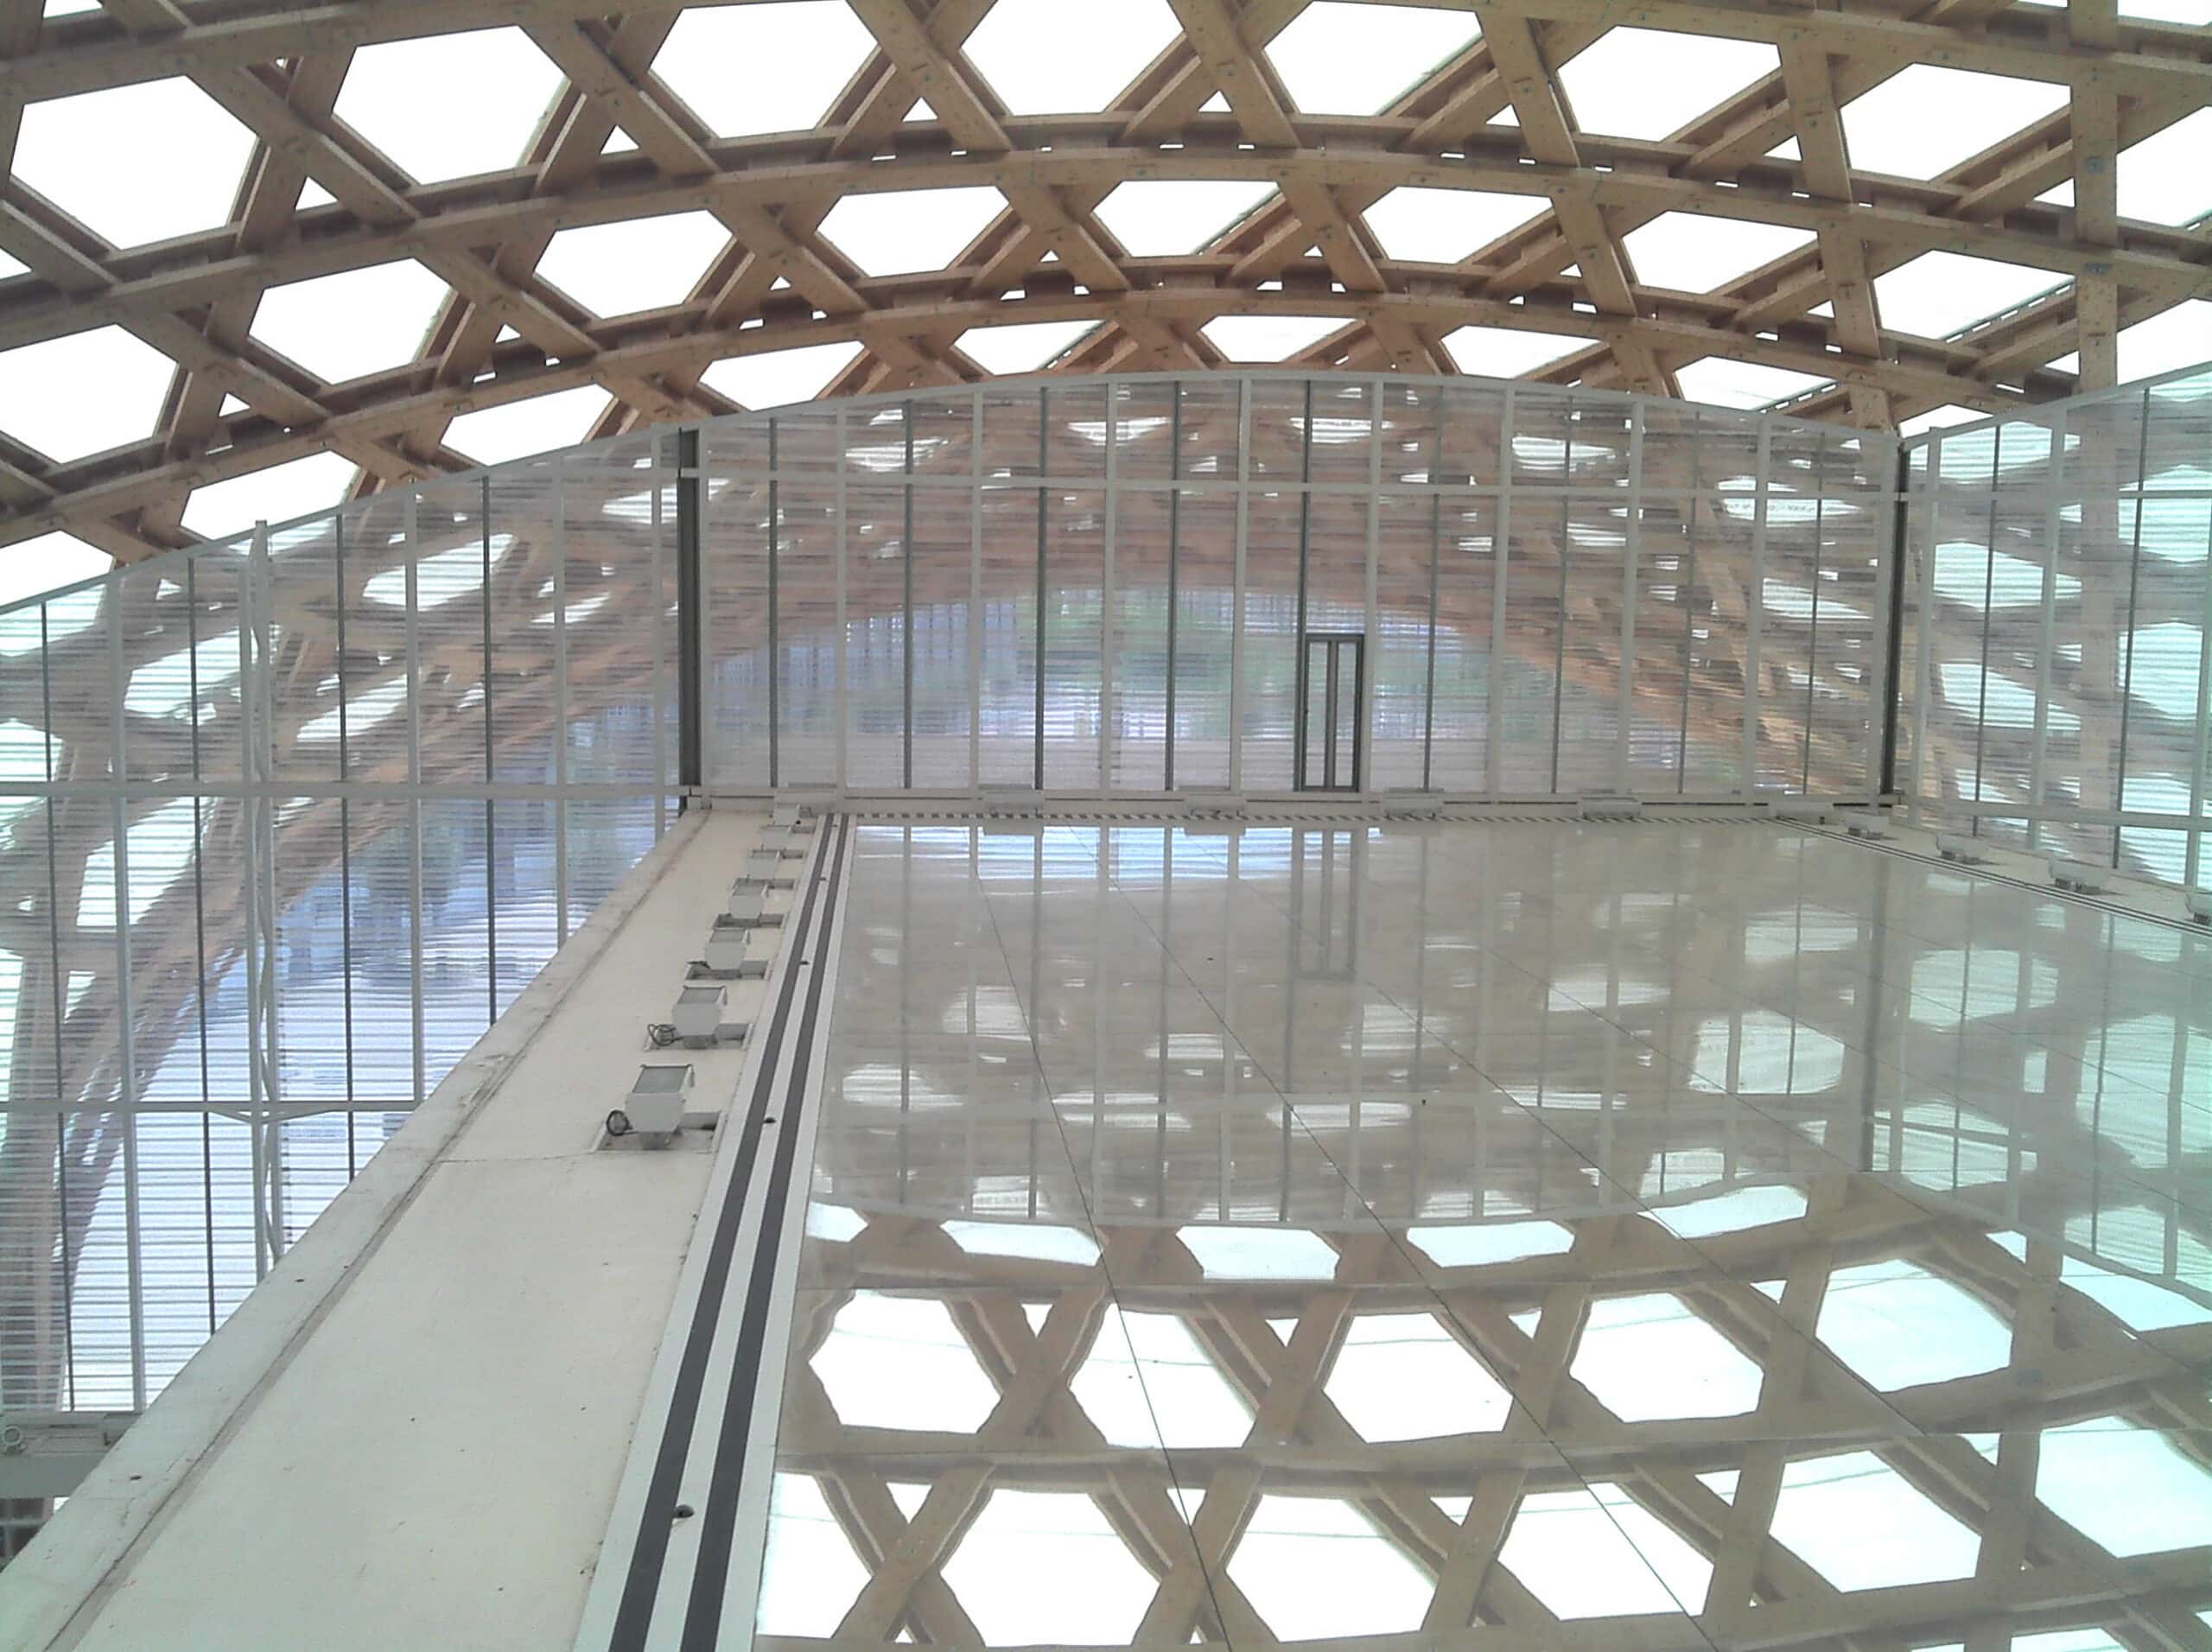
[{"x": 1497, "y": 116}]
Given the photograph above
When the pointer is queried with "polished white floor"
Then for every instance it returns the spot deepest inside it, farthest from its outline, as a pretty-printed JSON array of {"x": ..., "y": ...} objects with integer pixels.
[{"x": 1545, "y": 1234}]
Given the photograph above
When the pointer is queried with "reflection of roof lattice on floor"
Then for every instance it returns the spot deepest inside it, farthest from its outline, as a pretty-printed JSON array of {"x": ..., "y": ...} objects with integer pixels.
[{"x": 1382, "y": 1363}]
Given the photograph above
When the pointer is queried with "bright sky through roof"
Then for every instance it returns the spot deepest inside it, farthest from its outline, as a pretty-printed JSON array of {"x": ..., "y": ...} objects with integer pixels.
[
  {"x": 1938, "y": 293},
  {"x": 775, "y": 377},
  {"x": 518, "y": 429},
  {"x": 644, "y": 263},
  {"x": 1340, "y": 59},
  {"x": 907, "y": 229},
  {"x": 1695, "y": 253},
  {"x": 354, "y": 323},
  {"x": 1502, "y": 353},
  {"x": 47, "y": 561},
  {"x": 1426, "y": 226},
  {"x": 2180, "y": 337},
  {"x": 1160, "y": 218},
  {"x": 82, "y": 393},
  {"x": 1020, "y": 348},
  {"x": 1741, "y": 383},
  {"x": 90, "y": 155},
  {"x": 716, "y": 60},
  {"x": 1924, "y": 120},
  {"x": 1026, "y": 50},
  {"x": 294, "y": 488},
  {"x": 1650, "y": 82},
  {"x": 1268, "y": 338},
  {"x": 450, "y": 106}
]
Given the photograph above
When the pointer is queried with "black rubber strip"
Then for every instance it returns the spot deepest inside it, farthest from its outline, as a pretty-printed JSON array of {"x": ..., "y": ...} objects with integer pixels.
[
  {"x": 640, "y": 1590},
  {"x": 718, "y": 1525}
]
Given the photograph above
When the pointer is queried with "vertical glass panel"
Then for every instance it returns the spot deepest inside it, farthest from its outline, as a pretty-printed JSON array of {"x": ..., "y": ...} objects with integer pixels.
[
  {"x": 1205, "y": 611},
  {"x": 1527, "y": 685},
  {"x": 944, "y": 531},
  {"x": 1144, "y": 522},
  {"x": 302, "y": 638},
  {"x": 741, "y": 519},
  {"x": 1006, "y": 712},
  {"x": 1407, "y": 573},
  {"x": 876, "y": 637},
  {"x": 620, "y": 571},
  {"x": 1342, "y": 428},
  {"x": 373, "y": 666},
  {"x": 806, "y": 632},
  {"x": 1470, "y": 437},
  {"x": 530, "y": 607},
  {"x": 1270, "y": 663},
  {"x": 1466, "y": 586},
  {"x": 1075, "y": 424},
  {"x": 1410, "y": 415},
  {"x": 1595, "y": 546},
  {"x": 1277, "y": 419},
  {"x": 1717, "y": 587},
  {"x": 1665, "y": 615},
  {"x": 523, "y": 887},
  {"x": 311, "y": 985},
  {"x": 1845, "y": 649},
  {"x": 1075, "y": 572},
  {"x": 1209, "y": 428}
]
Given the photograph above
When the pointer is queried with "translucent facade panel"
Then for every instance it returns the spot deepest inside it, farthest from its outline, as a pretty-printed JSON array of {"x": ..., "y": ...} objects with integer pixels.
[
  {"x": 1006, "y": 708},
  {"x": 1407, "y": 549},
  {"x": 1530, "y": 672},
  {"x": 1462, "y": 736},
  {"x": 1072, "y": 644},
  {"x": 1266, "y": 639},
  {"x": 1203, "y": 647},
  {"x": 1593, "y": 552},
  {"x": 373, "y": 768},
  {"x": 2052, "y": 687},
  {"x": 805, "y": 611},
  {"x": 874, "y": 635},
  {"x": 1146, "y": 528}
]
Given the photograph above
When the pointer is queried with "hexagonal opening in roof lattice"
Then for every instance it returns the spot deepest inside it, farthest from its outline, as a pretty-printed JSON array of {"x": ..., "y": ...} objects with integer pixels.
[{"x": 1532, "y": 201}]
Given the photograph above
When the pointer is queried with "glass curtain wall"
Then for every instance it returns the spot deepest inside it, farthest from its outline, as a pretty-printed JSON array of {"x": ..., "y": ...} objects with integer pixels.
[
  {"x": 2057, "y": 631},
  {"x": 1092, "y": 586},
  {"x": 286, "y": 830}
]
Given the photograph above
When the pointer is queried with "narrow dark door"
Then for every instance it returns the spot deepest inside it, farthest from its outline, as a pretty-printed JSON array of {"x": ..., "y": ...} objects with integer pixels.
[{"x": 1331, "y": 691}]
